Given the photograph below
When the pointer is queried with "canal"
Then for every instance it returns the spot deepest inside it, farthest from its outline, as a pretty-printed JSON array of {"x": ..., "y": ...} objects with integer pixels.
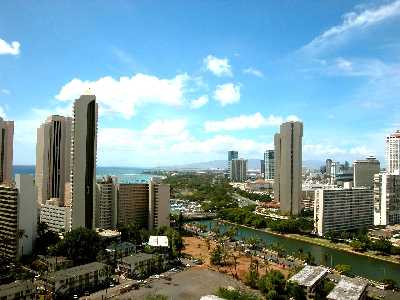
[{"x": 360, "y": 265}]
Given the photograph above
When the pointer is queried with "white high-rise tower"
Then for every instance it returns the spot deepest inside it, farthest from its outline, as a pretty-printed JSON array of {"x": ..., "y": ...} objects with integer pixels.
[{"x": 393, "y": 153}]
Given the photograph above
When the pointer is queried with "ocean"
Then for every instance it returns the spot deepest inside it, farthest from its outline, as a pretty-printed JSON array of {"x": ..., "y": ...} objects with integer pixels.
[{"x": 124, "y": 174}]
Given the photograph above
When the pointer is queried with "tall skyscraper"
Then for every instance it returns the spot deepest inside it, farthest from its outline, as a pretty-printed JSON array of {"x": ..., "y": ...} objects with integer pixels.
[
  {"x": 328, "y": 166},
  {"x": 277, "y": 158},
  {"x": 289, "y": 152},
  {"x": 364, "y": 171},
  {"x": 53, "y": 152},
  {"x": 238, "y": 171},
  {"x": 269, "y": 162},
  {"x": 6, "y": 150},
  {"x": 386, "y": 199},
  {"x": 231, "y": 155},
  {"x": 393, "y": 153},
  {"x": 83, "y": 161},
  {"x": 18, "y": 211}
]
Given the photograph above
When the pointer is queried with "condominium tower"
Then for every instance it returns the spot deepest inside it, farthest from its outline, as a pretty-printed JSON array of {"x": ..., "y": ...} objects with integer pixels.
[
  {"x": 339, "y": 209},
  {"x": 269, "y": 164},
  {"x": 83, "y": 161},
  {"x": 231, "y": 155},
  {"x": 18, "y": 211},
  {"x": 106, "y": 203},
  {"x": 364, "y": 171},
  {"x": 6, "y": 150},
  {"x": 393, "y": 153},
  {"x": 238, "y": 170},
  {"x": 386, "y": 199},
  {"x": 288, "y": 154},
  {"x": 53, "y": 152}
]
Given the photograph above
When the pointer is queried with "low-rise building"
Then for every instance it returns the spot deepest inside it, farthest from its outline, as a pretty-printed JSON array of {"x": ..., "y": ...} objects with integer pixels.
[
  {"x": 142, "y": 265},
  {"x": 309, "y": 278},
  {"x": 55, "y": 263},
  {"x": 77, "y": 278},
  {"x": 349, "y": 289},
  {"x": 119, "y": 250},
  {"x": 21, "y": 289},
  {"x": 339, "y": 209}
]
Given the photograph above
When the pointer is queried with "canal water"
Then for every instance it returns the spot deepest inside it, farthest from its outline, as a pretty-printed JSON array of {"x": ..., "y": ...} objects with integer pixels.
[{"x": 360, "y": 265}]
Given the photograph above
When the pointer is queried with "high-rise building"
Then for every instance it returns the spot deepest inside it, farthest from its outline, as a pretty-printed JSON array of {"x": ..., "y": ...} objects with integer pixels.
[
  {"x": 6, "y": 150},
  {"x": 18, "y": 211},
  {"x": 393, "y": 153},
  {"x": 238, "y": 170},
  {"x": 83, "y": 161},
  {"x": 56, "y": 216},
  {"x": 231, "y": 155},
  {"x": 289, "y": 152},
  {"x": 328, "y": 166},
  {"x": 262, "y": 168},
  {"x": 277, "y": 158},
  {"x": 364, "y": 171},
  {"x": 386, "y": 199},
  {"x": 106, "y": 203},
  {"x": 339, "y": 209},
  {"x": 143, "y": 204},
  {"x": 269, "y": 164},
  {"x": 53, "y": 152},
  {"x": 340, "y": 173}
]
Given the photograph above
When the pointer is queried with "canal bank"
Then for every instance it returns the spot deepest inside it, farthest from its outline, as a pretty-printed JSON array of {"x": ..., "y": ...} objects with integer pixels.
[{"x": 362, "y": 265}]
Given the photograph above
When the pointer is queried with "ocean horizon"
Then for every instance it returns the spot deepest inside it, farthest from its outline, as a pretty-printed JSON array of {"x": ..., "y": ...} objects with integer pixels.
[{"x": 124, "y": 174}]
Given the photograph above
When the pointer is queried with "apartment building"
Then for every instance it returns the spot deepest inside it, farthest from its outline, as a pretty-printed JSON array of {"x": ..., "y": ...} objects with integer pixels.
[
  {"x": 21, "y": 289},
  {"x": 386, "y": 199},
  {"x": 238, "y": 170},
  {"x": 6, "y": 150},
  {"x": 339, "y": 209},
  {"x": 392, "y": 149},
  {"x": 106, "y": 203},
  {"x": 364, "y": 171},
  {"x": 56, "y": 216},
  {"x": 18, "y": 216},
  {"x": 269, "y": 164}
]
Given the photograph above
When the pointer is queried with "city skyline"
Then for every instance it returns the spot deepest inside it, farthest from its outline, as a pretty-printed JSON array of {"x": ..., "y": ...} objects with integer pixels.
[{"x": 176, "y": 90}]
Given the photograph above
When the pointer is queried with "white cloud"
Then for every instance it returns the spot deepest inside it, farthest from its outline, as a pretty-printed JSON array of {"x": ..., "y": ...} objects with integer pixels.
[
  {"x": 253, "y": 71},
  {"x": 227, "y": 93},
  {"x": 344, "y": 64},
  {"x": 353, "y": 21},
  {"x": 11, "y": 49},
  {"x": 218, "y": 66},
  {"x": 2, "y": 113},
  {"x": 124, "y": 95},
  {"x": 199, "y": 102},
  {"x": 6, "y": 92},
  {"x": 256, "y": 120}
]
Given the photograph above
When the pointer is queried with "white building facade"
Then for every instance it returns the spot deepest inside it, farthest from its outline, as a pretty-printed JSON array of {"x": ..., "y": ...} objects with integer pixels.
[{"x": 386, "y": 199}]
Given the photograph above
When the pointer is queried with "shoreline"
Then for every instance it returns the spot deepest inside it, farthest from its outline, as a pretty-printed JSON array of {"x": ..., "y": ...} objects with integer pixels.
[{"x": 298, "y": 237}]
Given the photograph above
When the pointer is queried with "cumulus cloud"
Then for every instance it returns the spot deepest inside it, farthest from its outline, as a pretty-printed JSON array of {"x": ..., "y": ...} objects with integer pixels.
[
  {"x": 352, "y": 21},
  {"x": 2, "y": 113},
  {"x": 253, "y": 71},
  {"x": 228, "y": 93},
  {"x": 218, "y": 66},
  {"x": 124, "y": 95},
  {"x": 199, "y": 102},
  {"x": 9, "y": 48},
  {"x": 242, "y": 122}
]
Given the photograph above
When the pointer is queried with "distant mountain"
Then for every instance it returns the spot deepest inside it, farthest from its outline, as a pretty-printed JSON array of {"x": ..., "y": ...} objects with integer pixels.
[{"x": 253, "y": 164}]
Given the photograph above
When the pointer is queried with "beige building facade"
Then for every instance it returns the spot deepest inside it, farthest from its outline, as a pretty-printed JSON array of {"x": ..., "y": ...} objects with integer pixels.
[
  {"x": 364, "y": 171},
  {"x": 392, "y": 149},
  {"x": 83, "y": 161},
  {"x": 106, "y": 203},
  {"x": 288, "y": 153},
  {"x": 53, "y": 152},
  {"x": 238, "y": 170},
  {"x": 386, "y": 199},
  {"x": 6, "y": 150}
]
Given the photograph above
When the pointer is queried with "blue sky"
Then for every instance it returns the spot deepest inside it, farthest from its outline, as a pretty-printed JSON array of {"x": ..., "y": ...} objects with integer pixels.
[{"x": 185, "y": 81}]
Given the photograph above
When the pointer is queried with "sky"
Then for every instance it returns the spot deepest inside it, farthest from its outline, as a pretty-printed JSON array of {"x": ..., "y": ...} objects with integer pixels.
[{"x": 186, "y": 81}]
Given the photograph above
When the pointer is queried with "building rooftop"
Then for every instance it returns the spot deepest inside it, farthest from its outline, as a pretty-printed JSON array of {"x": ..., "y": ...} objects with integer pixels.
[
  {"x": 120, "y": 246},
  {"x": 5, "y": 289},
  {"x": 76, "y": 271},
  {"x": 348, "y": 289},
  {"x": 309, "y": 275},
  {"x": 158, "y": 241},
  {"x": 108, "y": 233},
  {"x": 137, "y": 258}
]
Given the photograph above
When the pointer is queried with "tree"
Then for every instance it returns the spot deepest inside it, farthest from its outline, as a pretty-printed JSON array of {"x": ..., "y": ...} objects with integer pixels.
[
  {"x": 230, "y": 294},
  {"x": 383, "y": 246},
  {"x": 81, "y": 245},
  {"x": 356, "y": 245},
  {"x": 272, "y": 284},
  {"x": 21, "y": 236},
  {"x": 45, "y": 239},
  {"x": 252, "y": 276},
  {"x": 343, "y": 269},
  {"x": 324, "y": 289},
  {"x": 216, "y": 255},
  {"x": 294, "y": 291}
]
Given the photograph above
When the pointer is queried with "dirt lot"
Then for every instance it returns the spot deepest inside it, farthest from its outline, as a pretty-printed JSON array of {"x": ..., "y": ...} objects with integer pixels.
[
  {"x": 198, "y": 248},
  {"x": 190, "y": 284}
]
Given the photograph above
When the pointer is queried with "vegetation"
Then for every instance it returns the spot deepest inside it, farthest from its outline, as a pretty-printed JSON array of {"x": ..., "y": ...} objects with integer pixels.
[
  {"x": 81, "y": 245},
  {"x": 230, "y": 294},
  {"x": 156, "y": 297},
  {"x": 254, "y": 196},
  {"x": 45, "y": 239},
  {"x": 274, "y": 286},
  {"x": 324, "y": 289},
  {"x": 343, "y": 269}
]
